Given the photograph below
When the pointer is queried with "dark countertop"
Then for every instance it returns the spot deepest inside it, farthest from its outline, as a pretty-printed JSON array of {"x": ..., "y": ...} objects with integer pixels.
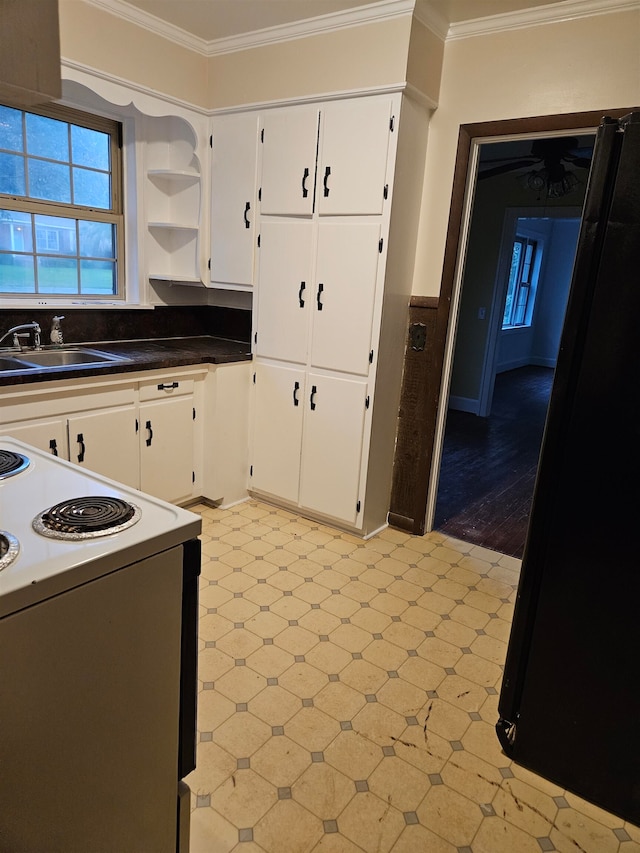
[{"x": 156, "y": 354}]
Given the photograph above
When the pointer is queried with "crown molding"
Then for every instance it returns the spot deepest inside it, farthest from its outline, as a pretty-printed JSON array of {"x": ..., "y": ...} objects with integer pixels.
[
  {"x": 370, "y": 13},
  {"x": 568, "y": 10},
  {"x": 432, "y": 19}
]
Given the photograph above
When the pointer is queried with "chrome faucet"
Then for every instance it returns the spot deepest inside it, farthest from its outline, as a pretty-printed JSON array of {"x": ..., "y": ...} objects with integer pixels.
[{"x": 34, "y": 327}]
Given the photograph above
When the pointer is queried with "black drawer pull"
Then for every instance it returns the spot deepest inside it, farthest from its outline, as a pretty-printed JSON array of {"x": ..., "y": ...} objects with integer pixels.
[
  {"x": 319, "y": 296},
  {"x": 150, "y": 431},
  {"x": 296, "y": 388},
  {"x": 247, "y": 208},
  {"x": 303, "y": 285},
  {"x": 305, "y": 191},
  {"x": 168, "y": 386},
  {"x": 312, "y": 402},
  {"x": 80, "y": 441}
]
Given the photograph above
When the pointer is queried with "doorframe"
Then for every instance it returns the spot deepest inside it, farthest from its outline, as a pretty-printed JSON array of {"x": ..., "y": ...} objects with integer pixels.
[{"x": 416, "y": 467}]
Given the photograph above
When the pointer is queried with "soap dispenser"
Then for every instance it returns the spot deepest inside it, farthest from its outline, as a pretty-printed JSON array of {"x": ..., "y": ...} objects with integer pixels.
[{"x": 56, "y": 331}]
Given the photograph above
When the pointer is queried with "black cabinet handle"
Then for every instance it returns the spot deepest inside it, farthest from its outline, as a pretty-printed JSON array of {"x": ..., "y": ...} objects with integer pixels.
[
  {"x": 303, "y": 285},
  {"x": 150, "y": 436},
  {"x": 247, "y": 208},
  {"x": 296, "y": 388},
  {"x": 312, "y": 402},
  {"x": 305, "y": 191},
  {"x": 168, "y": 386},
  {"x": 53, "y": 446},
  {"x": 327, "y": 172},
  {"x": 319, "y": 296},
  {"x": 80, "y": 440}
]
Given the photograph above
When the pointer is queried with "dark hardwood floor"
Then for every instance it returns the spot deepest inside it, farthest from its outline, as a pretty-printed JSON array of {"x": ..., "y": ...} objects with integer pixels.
[{"x": 489, "y": 464}]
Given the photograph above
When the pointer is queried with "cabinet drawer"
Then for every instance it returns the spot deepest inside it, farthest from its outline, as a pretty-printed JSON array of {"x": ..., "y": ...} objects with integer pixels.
[{"x": 170, "y": 386}]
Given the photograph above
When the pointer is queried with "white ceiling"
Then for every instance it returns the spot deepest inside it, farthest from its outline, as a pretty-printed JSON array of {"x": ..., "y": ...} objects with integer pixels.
[{"x": 213, "y": 20}]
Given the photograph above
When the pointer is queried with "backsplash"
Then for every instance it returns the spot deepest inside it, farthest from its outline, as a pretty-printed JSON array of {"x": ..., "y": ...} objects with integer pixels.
[{"x": 90, "y": 325}]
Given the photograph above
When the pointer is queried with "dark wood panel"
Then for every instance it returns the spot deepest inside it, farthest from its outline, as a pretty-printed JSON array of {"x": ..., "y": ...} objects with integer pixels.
[{"x": 417, "y": 413}]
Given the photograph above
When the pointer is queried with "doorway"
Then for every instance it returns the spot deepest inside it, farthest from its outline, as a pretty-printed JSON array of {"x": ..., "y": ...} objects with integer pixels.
[
  {"x": 521, "y": 241},
  {"x": 425, "y": 386}
]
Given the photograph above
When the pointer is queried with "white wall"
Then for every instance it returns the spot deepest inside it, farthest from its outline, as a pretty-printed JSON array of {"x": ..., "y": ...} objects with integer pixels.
[{"x": 584, "y": 64}]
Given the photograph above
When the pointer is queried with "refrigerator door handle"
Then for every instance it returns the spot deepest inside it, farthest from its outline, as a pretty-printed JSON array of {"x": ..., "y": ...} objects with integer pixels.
[{"x": 506, "y": 732}]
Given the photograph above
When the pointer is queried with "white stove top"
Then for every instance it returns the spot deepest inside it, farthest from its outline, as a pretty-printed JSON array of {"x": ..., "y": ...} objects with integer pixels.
[{"x": 46, "y": 567}]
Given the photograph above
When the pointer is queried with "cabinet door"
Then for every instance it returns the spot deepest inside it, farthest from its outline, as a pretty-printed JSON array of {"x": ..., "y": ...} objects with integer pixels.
[
  {"x": 289, "y": 143},
  {"x": 167, "y": 448},
  {"x": 233, "y": 190},
  {"x": 279, "y": 396},
  {"x": 343, "y": 303},
  {"x": 105, "y": 441},
  {"x": 354, "y": 141},
  {"x": 332, "y": 446},
  {"x": 49, "y": 435},
  {"x": 284, "y": 290}
]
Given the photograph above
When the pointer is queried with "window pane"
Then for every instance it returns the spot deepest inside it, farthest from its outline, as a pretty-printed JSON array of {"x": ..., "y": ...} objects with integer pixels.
[
  {"x": 12, "y": 174},
  {"x": 16, "y": 274},
  {"x": 89, "y": 148},
  {"x": 47, "y": 137},
  {"x": 98, "y": 278},
  {"x": 15, "y": 231},
  {"x": 97, "y": 240},
  {"x": 91, "y": 188},
  {"x": 56, "y": 235},
  {"x": 57, "y": 275},
  {"x": 49, "y": 180},
  {"x": 11, "y": 129}
]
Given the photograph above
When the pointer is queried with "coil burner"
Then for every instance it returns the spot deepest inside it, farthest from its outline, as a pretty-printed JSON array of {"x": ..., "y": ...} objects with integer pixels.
[
  {"x": 86, "y": 518},
  {"x": 11, "y": 463},
  {"x": 9, "y": 549}
]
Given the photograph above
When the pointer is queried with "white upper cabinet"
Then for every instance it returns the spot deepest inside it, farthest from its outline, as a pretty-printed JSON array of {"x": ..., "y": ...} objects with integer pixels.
[
  {"x": 343, "y": 298},
  {"x": 331, "y": 160},
  {"x": 352, "y": 163},
  {"x": 289, "y": 145},
  {"x": 233, "y": 198},
  {"x": 285, "y": 289}
]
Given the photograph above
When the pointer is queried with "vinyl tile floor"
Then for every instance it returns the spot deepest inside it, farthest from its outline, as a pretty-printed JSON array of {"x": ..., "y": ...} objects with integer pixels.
[{"x": 348, "y": 697}]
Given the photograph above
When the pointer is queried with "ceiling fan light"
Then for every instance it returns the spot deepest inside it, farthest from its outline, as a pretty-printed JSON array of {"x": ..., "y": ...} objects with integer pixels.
[{"x": 535, "y": 180}]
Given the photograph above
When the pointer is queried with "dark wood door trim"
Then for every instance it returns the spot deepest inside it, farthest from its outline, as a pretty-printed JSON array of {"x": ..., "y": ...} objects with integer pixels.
[{"x": 423, "y": 369}]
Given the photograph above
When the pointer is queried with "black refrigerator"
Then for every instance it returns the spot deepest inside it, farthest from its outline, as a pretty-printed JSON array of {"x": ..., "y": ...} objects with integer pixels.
[{"x": 570, "y": 701}]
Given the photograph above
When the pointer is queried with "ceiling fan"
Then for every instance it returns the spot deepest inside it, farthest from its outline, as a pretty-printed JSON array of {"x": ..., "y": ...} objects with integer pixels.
[{"x": 552, "y": 156}]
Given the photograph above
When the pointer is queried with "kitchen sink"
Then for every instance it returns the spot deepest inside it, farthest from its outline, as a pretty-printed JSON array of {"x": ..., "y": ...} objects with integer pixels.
[
  {"x": 38, "y": 359},
  {"x": 65, "y": 357}
]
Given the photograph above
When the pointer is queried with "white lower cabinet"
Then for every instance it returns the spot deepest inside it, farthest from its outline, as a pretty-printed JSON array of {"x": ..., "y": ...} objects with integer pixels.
[
  {"x": 278, "y": 409},
  {"x": 48, "y": 434},
  {"x": 106, "y": 442},
  {"x": 308, "y": 439},
  {"x": 332, "y": 442},
  {"x": 167, "y": 448},
  {"x": 142, "y": 433}
]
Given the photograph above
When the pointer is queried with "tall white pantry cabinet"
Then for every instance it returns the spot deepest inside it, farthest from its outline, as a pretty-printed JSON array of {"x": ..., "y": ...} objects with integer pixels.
[{"x": 336, "y": 191}]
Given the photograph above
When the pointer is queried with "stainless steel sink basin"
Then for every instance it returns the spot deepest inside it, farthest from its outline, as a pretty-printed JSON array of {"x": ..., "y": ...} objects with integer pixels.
[
  {"x": 56, "y": 358},
  {"x": 64, "y": 357}
]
